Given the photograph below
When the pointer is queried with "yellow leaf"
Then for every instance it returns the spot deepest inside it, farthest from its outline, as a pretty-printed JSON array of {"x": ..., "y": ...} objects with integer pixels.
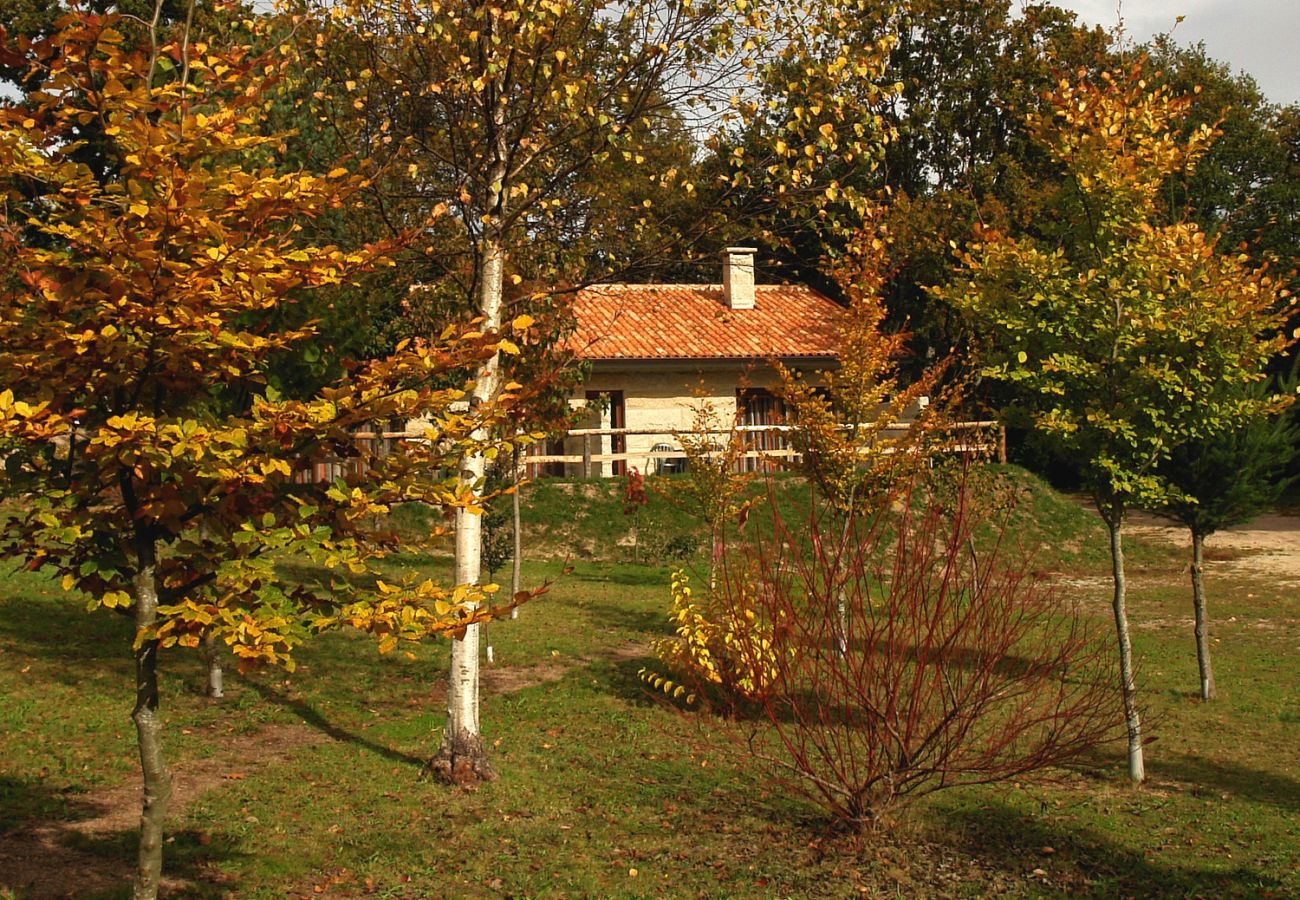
[{"x": 522, "y": 322}]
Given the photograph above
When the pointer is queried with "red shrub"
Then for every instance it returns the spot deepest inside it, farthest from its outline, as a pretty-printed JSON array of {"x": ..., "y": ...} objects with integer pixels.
[{"x": 912, "y": 652}]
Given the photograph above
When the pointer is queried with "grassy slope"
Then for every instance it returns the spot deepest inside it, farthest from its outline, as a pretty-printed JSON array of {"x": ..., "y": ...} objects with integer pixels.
[
  {"x": 585, "y": 520},
  {"x": 597, "y": 781}
]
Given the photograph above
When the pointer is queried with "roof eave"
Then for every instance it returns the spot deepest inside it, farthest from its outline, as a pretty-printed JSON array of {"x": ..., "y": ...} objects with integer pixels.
[{"x": 696, "y": 362}]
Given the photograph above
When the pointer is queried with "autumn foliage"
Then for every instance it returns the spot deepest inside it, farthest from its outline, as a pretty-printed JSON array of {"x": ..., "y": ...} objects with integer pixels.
[
  {"x": 720, "y": 656},
  {"x": 1118, "y": 334},
  {"x": 151, "y": 240},
  {"x": 138, "y": 325}
]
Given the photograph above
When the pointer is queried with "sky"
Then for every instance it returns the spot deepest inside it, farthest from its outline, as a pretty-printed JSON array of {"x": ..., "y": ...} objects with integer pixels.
[{"x": 1260, "y": 37}]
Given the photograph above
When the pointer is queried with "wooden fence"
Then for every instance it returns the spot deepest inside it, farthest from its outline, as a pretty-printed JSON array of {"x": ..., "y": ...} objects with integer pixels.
[
  {"x": 975, "y": 438},
  {"x": 978, "y": 438}
]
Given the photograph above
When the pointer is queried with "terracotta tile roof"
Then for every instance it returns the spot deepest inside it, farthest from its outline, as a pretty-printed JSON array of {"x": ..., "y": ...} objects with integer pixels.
[{"x": 692, "y": 321}]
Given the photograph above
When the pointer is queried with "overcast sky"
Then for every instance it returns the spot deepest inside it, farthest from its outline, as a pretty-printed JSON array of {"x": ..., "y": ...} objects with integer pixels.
[{"x": 1261, "y": 37}]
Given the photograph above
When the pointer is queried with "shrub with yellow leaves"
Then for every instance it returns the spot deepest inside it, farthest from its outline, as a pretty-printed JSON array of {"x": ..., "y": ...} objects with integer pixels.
[{"x": 723, "y": 653}]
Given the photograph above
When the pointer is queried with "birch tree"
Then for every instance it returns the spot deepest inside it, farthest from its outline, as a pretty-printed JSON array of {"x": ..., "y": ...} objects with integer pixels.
[
  {"x": 1121, "y": 336},
  {"x": 500, "y": 111}
]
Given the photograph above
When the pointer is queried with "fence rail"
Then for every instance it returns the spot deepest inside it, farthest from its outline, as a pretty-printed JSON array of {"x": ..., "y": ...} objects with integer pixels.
[{"x": 975, "y": 437}]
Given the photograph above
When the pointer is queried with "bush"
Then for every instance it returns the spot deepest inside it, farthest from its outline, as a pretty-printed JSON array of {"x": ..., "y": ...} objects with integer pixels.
[
  {"x": 899, "y": 652},
  {"x": 721, "y": 652}
]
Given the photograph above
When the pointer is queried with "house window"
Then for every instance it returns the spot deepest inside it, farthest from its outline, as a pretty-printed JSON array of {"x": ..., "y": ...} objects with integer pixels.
[{"x": 758, "y": 407}]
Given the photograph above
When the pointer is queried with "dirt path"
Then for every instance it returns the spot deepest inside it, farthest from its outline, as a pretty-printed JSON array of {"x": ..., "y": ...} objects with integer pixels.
[
  {"x": 1268, "y": 546},
  {"x": 42, "y": 860}
]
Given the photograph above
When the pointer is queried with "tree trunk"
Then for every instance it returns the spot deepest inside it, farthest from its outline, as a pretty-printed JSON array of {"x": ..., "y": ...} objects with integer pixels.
[
  {"x": 148, "y": 727},
  {"x": 212, "y": 656},
  {"x": 516, "y": 560},
  {"x": 1132, "y": 719},
  {"x": 1202, "y": 620},
  {"x": 462, "y": 757}
]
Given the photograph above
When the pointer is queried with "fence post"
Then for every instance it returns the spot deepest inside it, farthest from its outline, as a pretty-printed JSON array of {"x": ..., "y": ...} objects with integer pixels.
[
  {"x": 586, "y": 456},
  {"x": 1002, "y": 445}
]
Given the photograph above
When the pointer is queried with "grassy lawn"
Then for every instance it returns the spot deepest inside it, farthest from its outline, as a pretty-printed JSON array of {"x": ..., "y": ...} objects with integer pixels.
[{"x": 306, "y": 784}]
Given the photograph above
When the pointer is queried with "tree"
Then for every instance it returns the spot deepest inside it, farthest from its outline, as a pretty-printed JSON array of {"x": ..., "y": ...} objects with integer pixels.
[
  {"x": 848, "y": 432},
  {"x": 505, "y": 113},
  {"x": 153, "y": 467},
  {"x": 847, "y": 419},
  {"x": 960, "y": 79},
  {"x": 970, "y": 72},
  {"x": 1123, "y": 338},
  {"x": 1222, "y": 481},
  {"x": 1231, "y": 187}
]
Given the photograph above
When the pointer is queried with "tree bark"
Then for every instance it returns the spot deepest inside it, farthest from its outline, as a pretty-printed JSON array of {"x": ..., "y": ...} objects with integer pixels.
[
  {"x": 462, "y": 758},
  {"x": 1132, "y": 718},
  {"x": 148, "y": 727},
  {"x": 1202, "y": 620},
  {"x": 212, "y": 656}
]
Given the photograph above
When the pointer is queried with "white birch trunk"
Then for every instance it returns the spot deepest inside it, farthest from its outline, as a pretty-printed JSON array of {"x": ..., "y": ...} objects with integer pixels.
[
  {"x": 212, "y": 656},
  {"x": 462, "y": 756}
]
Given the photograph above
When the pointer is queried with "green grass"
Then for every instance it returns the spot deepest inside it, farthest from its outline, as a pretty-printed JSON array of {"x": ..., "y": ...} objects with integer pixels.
[{"x": 312, "y": 777}]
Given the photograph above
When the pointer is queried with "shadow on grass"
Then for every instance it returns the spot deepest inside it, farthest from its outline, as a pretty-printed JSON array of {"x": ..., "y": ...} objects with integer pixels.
[
  {"x": 619, "y": 678},
  {"x": 645, "y": 623},
  {"x": 1087, "y": 863},
  {"x": 1243, "y": 781},
  {"x": 45, "y": 853},
  {"x": 625, "y": 573},
  {"x": 58, "y": 628},
  {"x": 308, "y": 714},
  {"x": 24, "y": 801}
]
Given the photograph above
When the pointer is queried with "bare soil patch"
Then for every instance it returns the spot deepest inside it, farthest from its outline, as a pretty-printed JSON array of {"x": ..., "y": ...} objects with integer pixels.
[
  {"x": 41, "y": 860},
  {"x": 1268, "y": 546}
]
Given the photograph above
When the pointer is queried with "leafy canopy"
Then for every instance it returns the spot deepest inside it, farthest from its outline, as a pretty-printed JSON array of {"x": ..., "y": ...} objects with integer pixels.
[
  {"x": 1122, "y": 337},
  {"x": 137, "y": 325}
]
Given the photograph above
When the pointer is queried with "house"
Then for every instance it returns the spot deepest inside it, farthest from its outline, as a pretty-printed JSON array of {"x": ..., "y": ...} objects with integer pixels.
[{"x": 655, "y": 350}]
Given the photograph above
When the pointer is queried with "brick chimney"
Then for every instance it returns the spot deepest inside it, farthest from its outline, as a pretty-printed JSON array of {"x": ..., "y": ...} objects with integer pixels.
[{"x": 738, "y": 277}]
